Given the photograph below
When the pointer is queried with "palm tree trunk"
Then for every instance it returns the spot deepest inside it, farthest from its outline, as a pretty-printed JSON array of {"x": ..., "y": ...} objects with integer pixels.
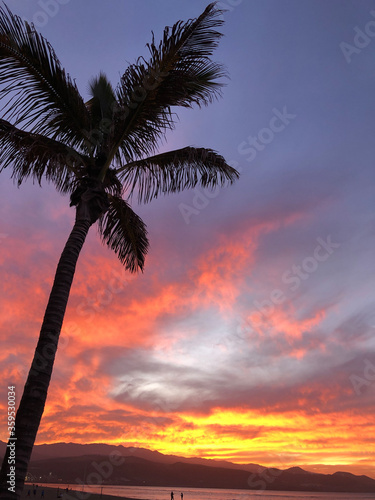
[{"x": 32, "y": 403}]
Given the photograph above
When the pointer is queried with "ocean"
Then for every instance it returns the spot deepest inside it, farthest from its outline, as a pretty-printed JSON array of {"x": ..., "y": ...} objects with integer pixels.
[{"x": 162, "y": 493}]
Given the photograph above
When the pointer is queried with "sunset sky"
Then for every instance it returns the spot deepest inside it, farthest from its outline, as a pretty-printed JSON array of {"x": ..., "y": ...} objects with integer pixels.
[{"x": 250, "y": 336}]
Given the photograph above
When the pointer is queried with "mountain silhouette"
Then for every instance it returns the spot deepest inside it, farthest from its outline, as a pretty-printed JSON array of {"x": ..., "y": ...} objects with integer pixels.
[{"x": 118, "y": 465}]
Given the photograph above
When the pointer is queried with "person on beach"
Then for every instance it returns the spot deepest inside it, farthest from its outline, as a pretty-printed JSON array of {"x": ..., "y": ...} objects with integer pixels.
[
  {"x": 171, "y": 495},
  {"x": 182, "y": 496}
]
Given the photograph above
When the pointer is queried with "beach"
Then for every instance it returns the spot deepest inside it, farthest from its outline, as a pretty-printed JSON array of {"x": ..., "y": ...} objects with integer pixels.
[
  {"x": 163, "y": 493},
  {"x": 56, "y": 493}
]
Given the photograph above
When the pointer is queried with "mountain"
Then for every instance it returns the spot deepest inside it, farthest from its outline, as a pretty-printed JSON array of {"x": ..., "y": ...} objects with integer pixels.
[
  {"x": 136, "y": 471},
  {"x": 103, "y": 464},
  {"x": 60, "y": 450}
]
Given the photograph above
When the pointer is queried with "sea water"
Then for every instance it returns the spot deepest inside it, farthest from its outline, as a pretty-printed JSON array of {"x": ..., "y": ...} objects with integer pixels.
[{"x": 163, "y": 493}]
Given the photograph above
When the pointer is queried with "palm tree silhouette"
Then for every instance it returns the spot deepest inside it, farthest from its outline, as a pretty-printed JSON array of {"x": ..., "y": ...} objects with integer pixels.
[{"x": 99, "y": 152}]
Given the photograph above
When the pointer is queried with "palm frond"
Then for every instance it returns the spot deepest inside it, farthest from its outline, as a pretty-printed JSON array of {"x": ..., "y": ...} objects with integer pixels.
[
  {"x": 36, "y": 156},
  {"x": 175, "y": 171},
  {"x": 39, "y": 94},
  {"x": 125, "y": 233},
  {"x": 103, "y": 100},
  {"x": 179, "y": 73}
]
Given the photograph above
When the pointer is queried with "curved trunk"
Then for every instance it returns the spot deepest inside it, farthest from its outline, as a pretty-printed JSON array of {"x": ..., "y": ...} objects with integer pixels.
[{"x": 30, "y": 410}]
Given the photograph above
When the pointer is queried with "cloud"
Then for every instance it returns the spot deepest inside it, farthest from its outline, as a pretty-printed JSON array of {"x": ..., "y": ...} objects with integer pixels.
[
  {"x": 190, "y": 355},
  {"x": 234, "y": 342}
]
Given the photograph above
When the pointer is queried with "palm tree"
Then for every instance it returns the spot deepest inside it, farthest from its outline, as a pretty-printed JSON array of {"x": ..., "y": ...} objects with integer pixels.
[{"x": 100, "y": 152}]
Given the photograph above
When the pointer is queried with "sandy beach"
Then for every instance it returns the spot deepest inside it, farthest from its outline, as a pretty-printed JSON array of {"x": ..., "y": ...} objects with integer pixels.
[{"x": 53, "y": 493}]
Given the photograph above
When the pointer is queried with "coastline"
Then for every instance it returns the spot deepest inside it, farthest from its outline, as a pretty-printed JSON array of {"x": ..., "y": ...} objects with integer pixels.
[
  {"x": 162, "y": 493},
  {"x": 52, "y": 493}
]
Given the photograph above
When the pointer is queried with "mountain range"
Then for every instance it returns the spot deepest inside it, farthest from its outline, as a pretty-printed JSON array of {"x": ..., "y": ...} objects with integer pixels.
[{"x": 70, "y": 463}]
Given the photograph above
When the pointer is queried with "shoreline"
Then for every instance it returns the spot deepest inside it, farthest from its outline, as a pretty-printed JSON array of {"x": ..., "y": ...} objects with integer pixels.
[{"x": 61, "y": 493}]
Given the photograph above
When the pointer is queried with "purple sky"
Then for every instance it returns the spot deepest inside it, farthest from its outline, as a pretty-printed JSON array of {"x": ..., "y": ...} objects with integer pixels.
[{"x": 256, "y": 298}]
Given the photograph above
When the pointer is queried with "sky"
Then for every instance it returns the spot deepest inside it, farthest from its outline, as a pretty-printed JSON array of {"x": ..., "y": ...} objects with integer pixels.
[{"x": 250, "y": 335}]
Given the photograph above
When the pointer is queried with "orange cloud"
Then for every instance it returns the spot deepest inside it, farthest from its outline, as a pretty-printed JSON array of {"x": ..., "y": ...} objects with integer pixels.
[{"x": 112, "y": 315}]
